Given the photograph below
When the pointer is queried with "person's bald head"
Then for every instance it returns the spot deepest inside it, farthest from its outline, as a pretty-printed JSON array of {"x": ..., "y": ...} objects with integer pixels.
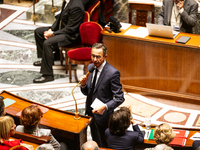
[{"x": 90, "y": 145}]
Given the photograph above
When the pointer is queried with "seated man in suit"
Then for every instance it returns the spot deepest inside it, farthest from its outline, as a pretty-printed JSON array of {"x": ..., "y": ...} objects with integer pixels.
[
  {"x": 64, "y": 31},
  {"x": 180, "y": 14},
  {"x": 103, "y": 85}
]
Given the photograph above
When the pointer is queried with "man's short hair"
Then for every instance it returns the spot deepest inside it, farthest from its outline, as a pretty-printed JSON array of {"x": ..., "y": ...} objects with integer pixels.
[{"x": 102, "y": 46}]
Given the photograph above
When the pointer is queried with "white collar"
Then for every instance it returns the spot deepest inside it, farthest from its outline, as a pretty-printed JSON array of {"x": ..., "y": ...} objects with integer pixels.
[
  {"x": 100, "y": 68},
  {"x": 67, "y": 1}
]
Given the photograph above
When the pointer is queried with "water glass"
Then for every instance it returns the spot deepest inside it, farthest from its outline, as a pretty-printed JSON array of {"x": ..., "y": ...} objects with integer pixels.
[{"x": 148, "y": 122}]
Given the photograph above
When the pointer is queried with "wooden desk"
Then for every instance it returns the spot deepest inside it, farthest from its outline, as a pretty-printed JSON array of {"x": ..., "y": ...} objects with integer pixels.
[
  {"x": 62, "y": 123},
  {"x": 155, "y": 63}
]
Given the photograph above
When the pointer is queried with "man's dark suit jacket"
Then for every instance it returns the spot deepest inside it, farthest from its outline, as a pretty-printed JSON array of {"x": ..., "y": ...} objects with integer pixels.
[
  {"x": 108, "y": 89},
  {"x": 88, "y": 3},
  {"x": 195, "y": 144},
  {"x": 71, "y": 18},
  {"x": 128, "y": 141},
  {"x": 188, "y": 16}
]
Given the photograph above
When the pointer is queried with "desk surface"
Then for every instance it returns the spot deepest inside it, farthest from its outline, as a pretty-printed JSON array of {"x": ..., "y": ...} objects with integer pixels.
[
  {"x": 53, "y": 118},
  {"x": 62, "y": 123},
  {"x": 155, "y": 63},
  {"x": 192, "y": 43}
]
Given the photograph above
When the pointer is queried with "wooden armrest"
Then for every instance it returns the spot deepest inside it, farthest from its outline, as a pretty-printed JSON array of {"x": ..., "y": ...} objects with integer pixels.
[{"x": 31, "y": 138}]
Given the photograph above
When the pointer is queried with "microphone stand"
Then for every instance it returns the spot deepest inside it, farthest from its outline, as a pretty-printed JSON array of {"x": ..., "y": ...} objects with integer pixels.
[
  {"x": 77, "y": 117},
  {"x": 77, "y": 113}
]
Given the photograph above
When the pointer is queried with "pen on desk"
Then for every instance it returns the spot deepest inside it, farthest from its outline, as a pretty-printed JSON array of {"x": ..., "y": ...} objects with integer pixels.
[
  {"x": 196, "y": 137},
  {"x": 148, "y": 135}
]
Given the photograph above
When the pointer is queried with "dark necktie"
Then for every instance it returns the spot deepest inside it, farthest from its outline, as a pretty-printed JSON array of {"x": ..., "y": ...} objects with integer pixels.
[
  {"x": 89, "y": 101},
  {"x": 94, "y": 81}
]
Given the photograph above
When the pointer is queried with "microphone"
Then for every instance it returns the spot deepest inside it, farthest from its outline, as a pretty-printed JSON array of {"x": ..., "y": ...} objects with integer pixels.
[
  {"x": 90, "y": 71},
  {"x": 87, "y": 74}
]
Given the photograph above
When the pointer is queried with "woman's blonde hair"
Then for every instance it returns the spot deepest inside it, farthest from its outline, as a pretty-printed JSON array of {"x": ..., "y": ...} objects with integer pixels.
[
  {"x": 163, "y": 134},
  {"x": 6, "y": 123}
]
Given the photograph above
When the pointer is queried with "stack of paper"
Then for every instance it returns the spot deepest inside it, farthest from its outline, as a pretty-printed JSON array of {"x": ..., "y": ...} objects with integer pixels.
[{"x": 180, "y": 138}]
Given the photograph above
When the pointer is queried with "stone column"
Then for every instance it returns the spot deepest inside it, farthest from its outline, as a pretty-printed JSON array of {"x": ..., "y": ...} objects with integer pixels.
[{"x": 120, "y": 10}]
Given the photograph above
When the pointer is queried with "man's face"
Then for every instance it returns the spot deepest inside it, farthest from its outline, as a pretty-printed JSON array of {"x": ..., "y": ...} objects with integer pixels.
[{"x": 97, "y": 57}]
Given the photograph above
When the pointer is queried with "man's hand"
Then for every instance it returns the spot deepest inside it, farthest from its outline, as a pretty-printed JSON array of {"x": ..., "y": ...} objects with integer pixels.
[
  {"x": 83, "y": 80},
  {"x": 99, "y": 110},
  {"x": 48, "y": 34},
  {"x": 132, "y": 121},
  {"x": 180, "y": 4}
]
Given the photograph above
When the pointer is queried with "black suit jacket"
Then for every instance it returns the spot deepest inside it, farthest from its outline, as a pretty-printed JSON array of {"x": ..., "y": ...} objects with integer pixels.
[
  {"x": 108, "y": 89},
  {"x": 71, "y": 18},
  {"x": 128, "y": 141},
  {"x": 88, "y": 3},
  {"x": 195, "y": 144}
]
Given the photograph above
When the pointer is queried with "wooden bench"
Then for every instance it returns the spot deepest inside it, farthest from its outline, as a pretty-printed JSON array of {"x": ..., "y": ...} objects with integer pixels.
[{"x": 31, "y": 138}]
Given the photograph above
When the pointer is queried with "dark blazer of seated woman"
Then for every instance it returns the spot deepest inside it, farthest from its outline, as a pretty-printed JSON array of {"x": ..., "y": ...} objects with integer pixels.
[{"x": 118, "y": 137}]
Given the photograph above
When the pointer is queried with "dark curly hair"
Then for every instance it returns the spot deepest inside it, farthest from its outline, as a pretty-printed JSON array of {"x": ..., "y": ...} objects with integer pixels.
[
  {"x": 119, "y": 121},
  {"x": 31, "y": 116}
]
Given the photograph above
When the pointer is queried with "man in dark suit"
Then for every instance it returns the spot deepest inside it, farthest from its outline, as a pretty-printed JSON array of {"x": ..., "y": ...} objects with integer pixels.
[
  {"x": 180, "y": 14},
  {"x": 105, "y": 87},
  {"x": 64, "y": 31}
]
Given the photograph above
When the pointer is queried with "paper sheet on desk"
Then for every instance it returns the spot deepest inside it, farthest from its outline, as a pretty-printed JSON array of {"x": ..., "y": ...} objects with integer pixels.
[
  {"x": 125, "y": 25},
  {"x": 139, "y": 32},
  {"x": 196, "y": 136}
]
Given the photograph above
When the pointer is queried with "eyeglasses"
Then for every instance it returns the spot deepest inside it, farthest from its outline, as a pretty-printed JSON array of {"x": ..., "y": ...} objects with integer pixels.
[{"x": 97, "y": 56}]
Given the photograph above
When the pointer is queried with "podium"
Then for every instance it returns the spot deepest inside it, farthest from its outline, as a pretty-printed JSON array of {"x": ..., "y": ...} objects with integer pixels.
[{"x": 62, "y": 123}]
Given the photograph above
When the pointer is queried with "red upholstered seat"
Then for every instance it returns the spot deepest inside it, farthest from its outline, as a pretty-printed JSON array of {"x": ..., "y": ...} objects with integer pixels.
[
  {"x": 87, "y": 17},
  {"x": 90, "y": 33},
  {"x": 94, "y": 11},
  {"x": 80, "y": 54}
]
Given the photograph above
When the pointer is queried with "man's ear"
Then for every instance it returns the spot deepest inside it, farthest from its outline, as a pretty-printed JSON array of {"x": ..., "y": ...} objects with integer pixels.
[{"x": 106, "y": 55}]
